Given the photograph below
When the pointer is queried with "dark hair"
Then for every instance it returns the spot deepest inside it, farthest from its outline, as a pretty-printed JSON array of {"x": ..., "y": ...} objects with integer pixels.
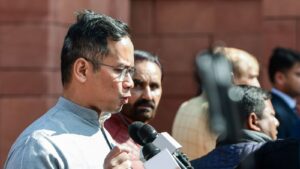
[
  {"x": 141, "y": 55},
  {"x": 282, "y": 59},
  {"x": 87, "y": 38},
  {"x": 249, "y": 99}
]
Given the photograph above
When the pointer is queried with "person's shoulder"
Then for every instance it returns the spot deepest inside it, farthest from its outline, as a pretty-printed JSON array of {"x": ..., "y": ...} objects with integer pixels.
[
  {"x": 277, "y": 100},
  {"x": 274, "y": 154},
  {"x": 40, "y": 131},
  {"x": 195, "y": 102},
  {"x": 281, "y": 145},
  {"x": 191, "y": 111},
  {"x": 221, "y": 157},
  {"x": 31, "y": 149},
  {"x": 34, "y": 136}
]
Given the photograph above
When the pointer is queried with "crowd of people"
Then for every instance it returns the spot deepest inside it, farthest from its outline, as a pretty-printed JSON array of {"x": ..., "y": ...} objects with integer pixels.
[{"x": 108, "y": 85}]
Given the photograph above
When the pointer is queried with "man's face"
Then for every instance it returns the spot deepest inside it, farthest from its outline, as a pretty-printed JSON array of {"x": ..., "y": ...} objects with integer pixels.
[
  {"x": 291, "y": 81},
  {"x": 146, "y": 93},
  {"x": 107, "y": 92},
  {"x": 268, "y": 122}
]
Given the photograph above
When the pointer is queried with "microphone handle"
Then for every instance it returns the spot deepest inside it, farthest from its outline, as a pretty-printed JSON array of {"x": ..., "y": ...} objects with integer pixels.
[
  {"x": 183, "y": 159},
  {"x": 179, "y": 162}
]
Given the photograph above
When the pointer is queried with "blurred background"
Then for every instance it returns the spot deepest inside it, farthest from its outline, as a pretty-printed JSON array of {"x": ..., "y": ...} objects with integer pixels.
[{"x": 32, "y": 32}]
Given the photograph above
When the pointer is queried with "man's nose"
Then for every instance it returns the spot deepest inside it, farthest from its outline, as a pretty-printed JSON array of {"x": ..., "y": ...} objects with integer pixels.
[
  {"x": 277, "y": 122},
  {"x": 128, "y": 82},
  {"x": 147, "y": 93}
]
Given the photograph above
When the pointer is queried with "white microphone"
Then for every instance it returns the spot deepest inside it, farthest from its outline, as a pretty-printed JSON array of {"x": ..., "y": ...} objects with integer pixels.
[
  {"x": 147, "y": 134},
  {"x": 164, "y": 140},
  {"x": 158, "y": 159}
]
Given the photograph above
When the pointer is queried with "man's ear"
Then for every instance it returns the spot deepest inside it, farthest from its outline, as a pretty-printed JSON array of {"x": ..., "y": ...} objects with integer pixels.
[
  {"x": 252, "y": 122},
  {"x": 80, "y": 69},
  {"x": 279, "y": 78}
]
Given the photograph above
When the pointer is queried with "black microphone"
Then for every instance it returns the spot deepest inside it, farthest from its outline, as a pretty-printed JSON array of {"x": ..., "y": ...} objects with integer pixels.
[
  {"x": 147, "y": 134},
  {"x": 149, "y": 150},
  {"x": 133, "y": 130},
  {"x": 216, "y": 74}
]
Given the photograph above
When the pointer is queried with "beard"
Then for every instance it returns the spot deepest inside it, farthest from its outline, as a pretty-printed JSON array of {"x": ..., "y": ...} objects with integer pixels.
[{"x": 142, "y": 110}]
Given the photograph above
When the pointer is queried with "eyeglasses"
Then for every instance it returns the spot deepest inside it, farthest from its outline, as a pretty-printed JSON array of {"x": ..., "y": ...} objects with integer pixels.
[{"x": 122, "y": 72}]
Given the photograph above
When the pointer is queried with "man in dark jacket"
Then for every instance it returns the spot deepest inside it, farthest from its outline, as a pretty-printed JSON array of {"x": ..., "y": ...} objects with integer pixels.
[
  {"x": 259, "y": 126},
  {"x": 284, "y": 73}
]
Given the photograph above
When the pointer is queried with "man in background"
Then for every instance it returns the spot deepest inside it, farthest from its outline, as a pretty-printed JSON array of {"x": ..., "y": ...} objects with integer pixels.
[
  {"x": 191, "y": 125},
  {"x": 96, "y": 68},
  {"x": 142, "y": 105},
  {"x": 284, "y": 73},
  {"x": 259, "y": 126}
]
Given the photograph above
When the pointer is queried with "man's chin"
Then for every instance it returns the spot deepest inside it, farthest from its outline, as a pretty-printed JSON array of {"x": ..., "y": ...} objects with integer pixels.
[
  {"x": 119, "y": 109},
  {"x": 116, "y": 110},
  {"x": 144, "y": 117}
]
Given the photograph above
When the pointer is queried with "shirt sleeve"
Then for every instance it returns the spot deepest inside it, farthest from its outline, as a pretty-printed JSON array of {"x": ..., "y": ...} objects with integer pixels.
[{"x": 34, "y": 154}]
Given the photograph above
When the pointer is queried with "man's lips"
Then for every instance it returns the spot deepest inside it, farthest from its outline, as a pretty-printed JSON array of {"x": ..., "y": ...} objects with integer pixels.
[
  {"x": 124, "y": 100},
  {"x": 145, "y": 106}
]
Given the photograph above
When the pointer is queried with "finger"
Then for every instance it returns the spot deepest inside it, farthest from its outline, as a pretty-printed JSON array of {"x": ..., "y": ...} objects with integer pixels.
[
  {"x": 114, "y": 152},
  {"x": 125, "y": 165},
  {"x": 124, "y": 149},
  {"x": 119, "y": 159},
  {"x": 116, "y": 156}
]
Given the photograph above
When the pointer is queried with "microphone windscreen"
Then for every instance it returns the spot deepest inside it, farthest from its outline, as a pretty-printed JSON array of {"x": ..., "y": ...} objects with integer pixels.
[
  {"x": 133, "y": 130},
  {"x": 149, "y": 150},
  {"x": 147, "y": 133}
]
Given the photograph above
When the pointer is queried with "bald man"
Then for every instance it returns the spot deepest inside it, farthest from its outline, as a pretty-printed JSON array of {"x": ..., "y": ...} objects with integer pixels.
[{"x": 191, "y": 128}]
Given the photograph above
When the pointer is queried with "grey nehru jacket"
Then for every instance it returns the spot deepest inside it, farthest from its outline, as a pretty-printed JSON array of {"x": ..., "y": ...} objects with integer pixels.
[{"x": 68, "y": 136}]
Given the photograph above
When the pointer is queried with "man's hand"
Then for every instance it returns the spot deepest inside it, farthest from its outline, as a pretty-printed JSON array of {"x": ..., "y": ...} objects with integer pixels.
[{"x": 117, "y": 158}]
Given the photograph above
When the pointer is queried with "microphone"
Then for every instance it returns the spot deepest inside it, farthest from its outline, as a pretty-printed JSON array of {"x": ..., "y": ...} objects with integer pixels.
[
  {"x": 216, "y": 74},
  {"x": 149, "y": 151},
  {"x": 162, "y": 140},
  {"x": 157, "y": 158},
  {"x": 133, "y": 130},
  {"x": 147, "y": 134}
]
